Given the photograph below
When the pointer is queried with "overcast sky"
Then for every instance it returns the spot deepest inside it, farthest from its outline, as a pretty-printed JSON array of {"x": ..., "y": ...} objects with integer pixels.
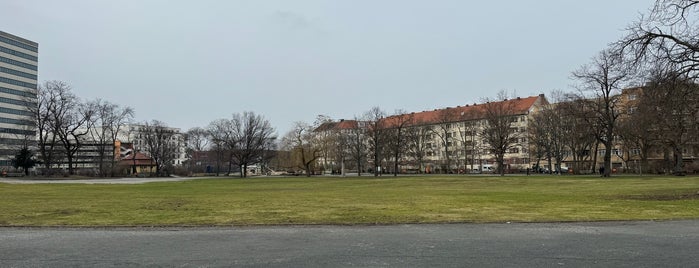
[{"x": 188, "y": 63}]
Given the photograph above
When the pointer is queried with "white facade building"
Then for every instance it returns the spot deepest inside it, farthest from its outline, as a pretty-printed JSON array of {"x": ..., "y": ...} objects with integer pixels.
[
  {"x": 18, "y": 83},
  {"x": 134, "y": 134}
]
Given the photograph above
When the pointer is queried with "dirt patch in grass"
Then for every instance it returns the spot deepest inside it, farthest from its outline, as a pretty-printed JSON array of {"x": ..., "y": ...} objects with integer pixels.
[
  {"x": 66, "y": 212},
  {"x": 664, "y": 197},
  {"x": 168, "y": 204}
]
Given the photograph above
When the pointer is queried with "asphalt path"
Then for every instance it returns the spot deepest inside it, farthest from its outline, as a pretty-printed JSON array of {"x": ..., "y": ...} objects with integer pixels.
[
  {"x": 605, "y": 244},
  {"x": 127, "y": 180}
]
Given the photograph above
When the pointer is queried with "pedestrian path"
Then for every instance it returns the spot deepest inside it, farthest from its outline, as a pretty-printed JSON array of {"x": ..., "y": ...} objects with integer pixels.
[{"x": 95, "y": 180}]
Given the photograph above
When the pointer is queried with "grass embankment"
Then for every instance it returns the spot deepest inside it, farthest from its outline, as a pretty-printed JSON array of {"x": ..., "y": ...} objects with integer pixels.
[{"x": 364, "y": 200}]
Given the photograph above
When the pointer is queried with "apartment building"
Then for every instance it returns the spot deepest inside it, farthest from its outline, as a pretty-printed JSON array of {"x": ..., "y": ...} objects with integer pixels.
[
  {"x": 18, "y": 82},
  {"x": 136, "y": 134},
  {"x": 450, "y": 140},
  {"x": 652, "y": 134}
]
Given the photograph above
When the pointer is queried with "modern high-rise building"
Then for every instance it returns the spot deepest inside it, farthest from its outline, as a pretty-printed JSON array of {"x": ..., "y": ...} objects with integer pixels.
[{"x": 18, "y": 83}]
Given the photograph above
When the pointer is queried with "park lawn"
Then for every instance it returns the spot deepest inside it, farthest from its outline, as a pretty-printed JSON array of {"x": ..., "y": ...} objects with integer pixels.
[{"x": 355, "y": 200}]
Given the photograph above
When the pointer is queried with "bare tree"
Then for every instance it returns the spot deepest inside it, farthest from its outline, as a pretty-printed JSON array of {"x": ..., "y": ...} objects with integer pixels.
[
  {"x": 417, "y": 140},
  {"x": 467, "y": 135},
  {"x": 341, "y": 147},
  {"x": 197, "y": 141},
  {"x": 73, "y": 122},
  {"x": 226, "y": 139},
  {"x": 601, "y": 82},
  {"x": 497, "y": 131},
  {"x": 669, "y": 34},
  {"x": 638, "y": 128},
  {"x": 160, "y": 144},
  {"x": 444, "y": 130},
  {"x": 109, "y": 118},
  {"x": 581, "y": 132},
  {"x": 550, "y": 131},
  {"x": 357, "y": 147},
  {"x": 676, "y": 97},
  {"x": 254, "y": 135},
  {"x": 218, "y": 132},
  {"x": 51, "y": 96},
  {"x": 325, "y": 140},
  {"x": 539, "y": 141},
  {"x": 376, "y": 134},
  {"x": 304, "y": 144},
  {"x": 396, "y": 136}
]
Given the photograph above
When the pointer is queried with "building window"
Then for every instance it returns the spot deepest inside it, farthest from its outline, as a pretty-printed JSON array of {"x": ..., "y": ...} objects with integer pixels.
[
  {"x": 635, "y": 151},
  {"x": 18, "y": 63},
  {"x": 18, "y": 44},
  {"x": 18, "y": 54},
  {"x": 17, "y": 73}
]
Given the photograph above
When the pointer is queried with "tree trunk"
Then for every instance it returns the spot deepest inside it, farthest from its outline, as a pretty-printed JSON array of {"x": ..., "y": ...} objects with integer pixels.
[
  {"x": 70, "y": 165},
  {"x": 594, "y": 159},
  {"x": 342, "y": 167},
  {"x": 679, "y": 165},
  {"x": 607, "y": 160},
  {"x": 307, "y": 166},
  {"x": 359, "y": 168},
  {"x": 395, "y": 165},
  {"x": 501, "y": 164}
]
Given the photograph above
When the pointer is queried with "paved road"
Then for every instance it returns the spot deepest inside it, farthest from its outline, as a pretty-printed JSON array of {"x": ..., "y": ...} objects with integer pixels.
[
  {"x": 128, "y": 180},
  {"x": 611, "y": 244}
]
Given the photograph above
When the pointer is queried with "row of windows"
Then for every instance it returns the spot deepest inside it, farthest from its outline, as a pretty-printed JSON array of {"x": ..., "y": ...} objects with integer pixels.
[
  {"x": 11, "y": 152},
  {"x": 17, "y": 92},
  {"x": 18, "y": 44},
  {"x": 9, "y": 141},
  {"x": 17, "y": 73},
  {"x": 18, "y": 54},
  {"x": 17, "y": 102},
  {"x": 18, "y": 63},
  {"x": 17, "y": 131},
  {"x": 16, "y": 121},
  {"x": 15, "y": 111},
  {"x": 17, "y": 83}
]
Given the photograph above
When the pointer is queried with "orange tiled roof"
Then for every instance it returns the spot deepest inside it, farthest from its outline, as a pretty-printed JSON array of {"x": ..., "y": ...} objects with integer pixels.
[
  {"x": 451, "y": 114},
  {"x": 343, "y": 124},
  {"x": 459, "y": 113}
]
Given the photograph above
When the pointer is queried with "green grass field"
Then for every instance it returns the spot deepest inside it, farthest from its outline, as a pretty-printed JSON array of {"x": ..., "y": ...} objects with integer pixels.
[{"x": 357, "y": 200}]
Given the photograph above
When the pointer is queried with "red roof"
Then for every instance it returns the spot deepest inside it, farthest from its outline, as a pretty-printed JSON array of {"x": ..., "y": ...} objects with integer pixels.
[
  {"x": 460, "y": 113},
  {"x": 342, "y": 124},
  {"x": 520, "y": 106},
  {"x": 141, "y": 160}
]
